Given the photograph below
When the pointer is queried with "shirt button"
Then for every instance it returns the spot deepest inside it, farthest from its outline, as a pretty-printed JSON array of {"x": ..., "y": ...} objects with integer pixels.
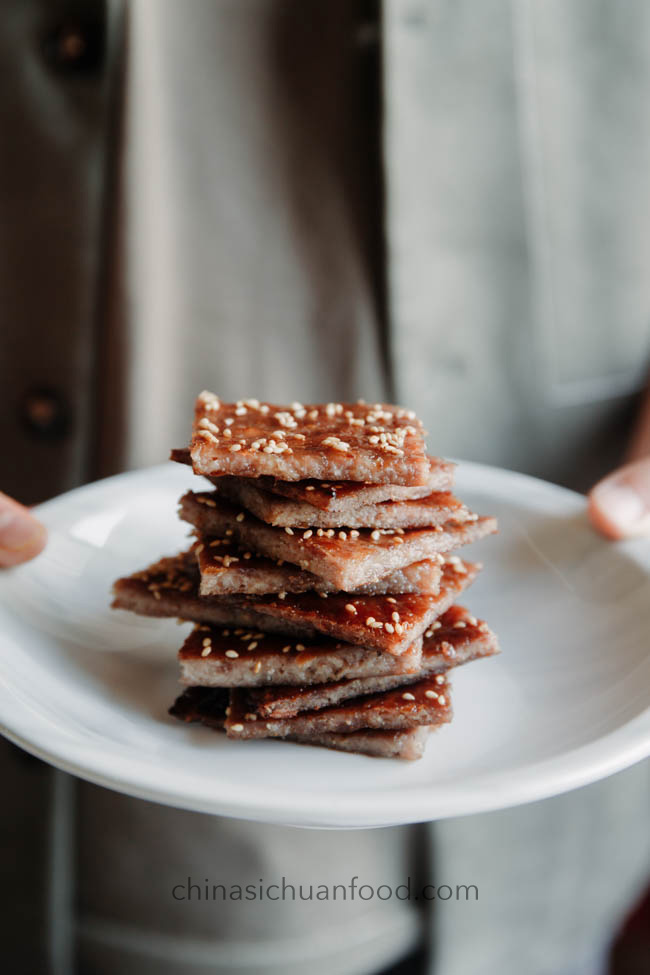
[
  {"x": 76, "y": 45},
  {"x": 44, "y": 414}
]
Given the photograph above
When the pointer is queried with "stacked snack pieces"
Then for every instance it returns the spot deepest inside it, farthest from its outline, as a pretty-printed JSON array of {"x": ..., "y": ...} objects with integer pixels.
[{"x": 321, "y": 582}]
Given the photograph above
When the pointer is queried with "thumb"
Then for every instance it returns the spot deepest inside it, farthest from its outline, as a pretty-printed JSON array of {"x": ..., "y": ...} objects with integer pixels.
[
  {"x": 619, "y": 505},
  {"x": 21, "y": 535}
]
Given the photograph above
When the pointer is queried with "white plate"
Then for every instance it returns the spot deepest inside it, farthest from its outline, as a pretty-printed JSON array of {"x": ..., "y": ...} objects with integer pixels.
[{"x": 568, "y": 702}]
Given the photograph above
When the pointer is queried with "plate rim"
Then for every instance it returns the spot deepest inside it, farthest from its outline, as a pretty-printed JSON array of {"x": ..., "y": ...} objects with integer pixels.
[{"x": 615, "y": 751}]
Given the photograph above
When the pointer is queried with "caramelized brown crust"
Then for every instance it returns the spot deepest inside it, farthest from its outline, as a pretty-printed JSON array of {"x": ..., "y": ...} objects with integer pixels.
[{"x": 379, "y": 444}]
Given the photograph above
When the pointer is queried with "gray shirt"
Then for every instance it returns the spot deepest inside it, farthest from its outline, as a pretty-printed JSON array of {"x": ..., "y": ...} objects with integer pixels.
[{"x": 214, "y": 195}]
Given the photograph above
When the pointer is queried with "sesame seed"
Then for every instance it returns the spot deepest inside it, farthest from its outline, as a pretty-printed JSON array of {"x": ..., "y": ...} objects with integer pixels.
[
  {"x": 251, "y": 717},
  {"x": 288, "y": 530},
  {"x": 234, "y": 448},
  {"x": 350, "y": 608},
  {"x": 460, "y": 625},
  {"x": 370, "y": 621},
  {"x": 395, "y": 617},
  {"x": 436, "y": 625},
  {"x": 440, "y": 679},
  {"x": 240, "y": 516},
  {"x": 391, "y": 599},
  {"x": 253, "y": 645},
  {"x": 199, "y": 548},
  {"x": 375, "y": 535},
  {"x": 257, "y": 667},
  {"x": 408, "y": 696},
  {"x": 389, "y": 627},
  {"x": 237, "y": 727},
  {"x": 206, "y": 641},
  {"x": 343, "y": 536},
  {"x": 430, "y": 694},
  {"x": 227, "y": 432},
  {"x": 206, "y": 651},
  {"x": 308, "y": 533},
  {"x": 399, "y": 629},
  {"x": 232, "y": 654},
  {"x": 310, "y": 487},
  {"x": 442, "y": 700},
  {"x": 300, "y": 646},
  {"x": 282, "y": 595},
  {"x": 287, "y": 648}
]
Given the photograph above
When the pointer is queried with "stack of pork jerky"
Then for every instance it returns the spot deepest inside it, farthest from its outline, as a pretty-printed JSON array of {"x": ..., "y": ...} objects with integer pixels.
[{"x": 321, "y": 581}]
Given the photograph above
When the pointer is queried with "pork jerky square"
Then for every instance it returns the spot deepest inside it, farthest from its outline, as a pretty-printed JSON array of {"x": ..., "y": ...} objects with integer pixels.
[
  {"x": 426, "y": 702},
  {"x": 456, "y": 638},
  {"x": 239, "y": 657},
  {"x": 347, "y": 559},
  {"x": 434, "y": 509},
  {"x": 378, "y": 444},
  {"x": 227, "y": 569},
  {"x": 207, "y": 706}
]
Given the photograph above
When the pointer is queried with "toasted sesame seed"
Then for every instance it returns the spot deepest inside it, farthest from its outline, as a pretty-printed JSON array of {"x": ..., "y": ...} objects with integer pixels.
[
  {"x": 436, "y": 625},
  {"x": 408, "y": 696},
  {"x": 343, "y": 536},
  {"x": 206, "y": 651},
  {"x": 370, "y": 621},
  {"x": 375, "y": 535},
  {"x": 240, "y": 516},
  {"x": 206, "y": 641},
  {"x": 234, "y": 448},
  {"x": 354, "y": 533},
  {"x": 253, "y": 645},
  {"x": 251, "y": 716},
  {"x": 232, "y": 654},
  {"x": 308, "y": 533},
  {"x": 257, "y": 667},
  {"x": 442, "y": 700},
  {"x": 282, "y": 595},
  {"x": 391, "y": 599},
  {"x": 395, "y": 617},
  {"x": 227, "y": 432},
  {"x": 430, "y": 694},
  {"x": 310, "y": 487},
  {"x": 300, "y": 646},
  {"x": 287, "y": 648},
  {"x": 288, "y": 530},
  {"x": 460, "y": 625},
  {"x": 236, "y": 727},
  {"x": 399, "y": 629},
  {"x": 389, "y": 627},
  {"x": 199, "y": 548},
  {"x": 351, "y": 608},
  {"x": 440, "y": 679}
]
